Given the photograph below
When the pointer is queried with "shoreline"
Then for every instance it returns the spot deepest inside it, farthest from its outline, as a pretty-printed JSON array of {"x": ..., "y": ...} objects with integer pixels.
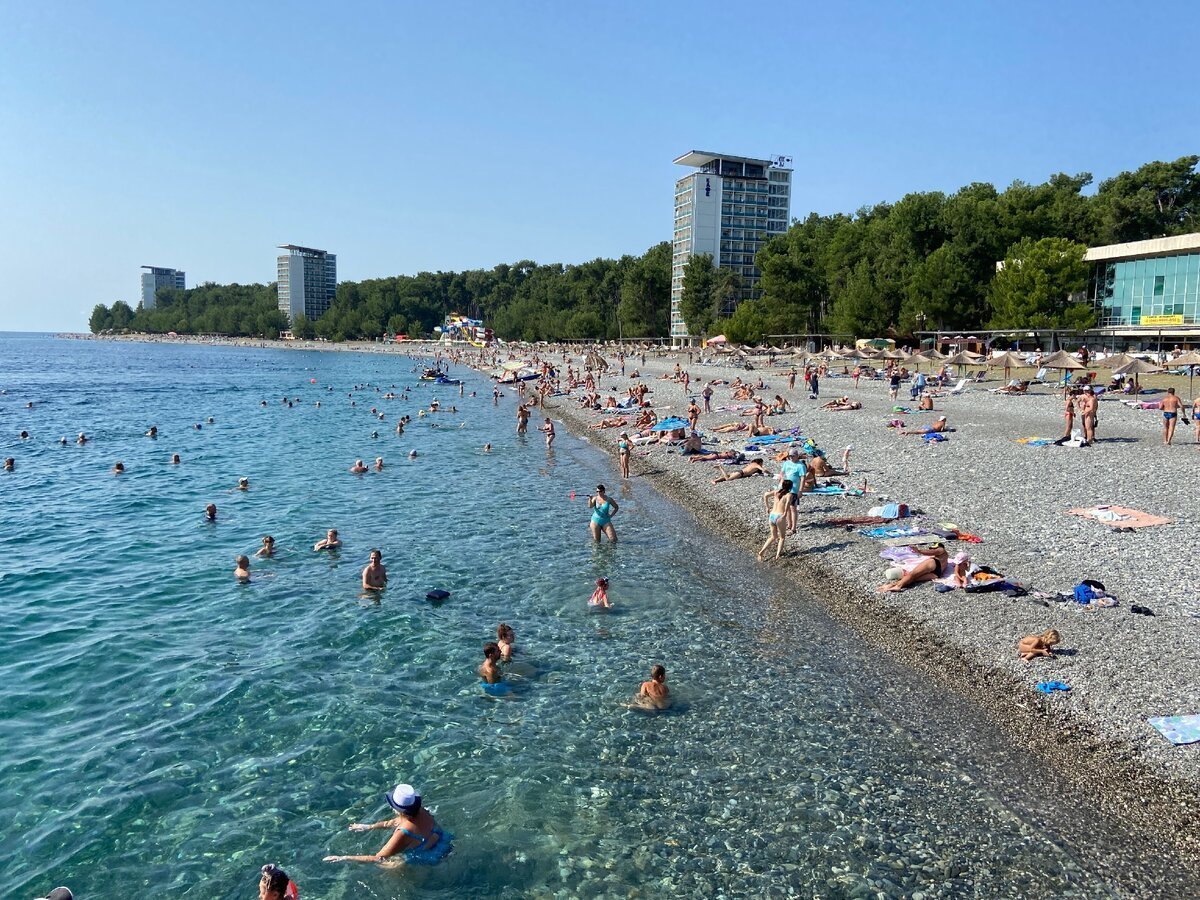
[{"x": 1129, "y": 778}]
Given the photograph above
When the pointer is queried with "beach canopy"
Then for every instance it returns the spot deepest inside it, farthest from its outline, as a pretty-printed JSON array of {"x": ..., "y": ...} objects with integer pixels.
[
  {"x": 1061, "y": 360},
  {"x": 1137, "y": 367},
  {"x": 1191, "y": 359},
  {"x": 933, "y": 355},
  {"x": 719, "y": 339},
  {"x": 670, "y": 424},
  {"x": 966, "y": 358},
  {"x": 1116, "y": 361},
  {"x": 1006, "y": 360}
]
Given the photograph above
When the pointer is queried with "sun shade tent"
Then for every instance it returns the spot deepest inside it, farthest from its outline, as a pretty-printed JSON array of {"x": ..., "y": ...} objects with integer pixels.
[
  {"x": 1061, "y": 360},
  {"x": 719, "y": 339},
  {"x": 966, "y": 358},
  {"x": 1006, "y": 360},
  {"x": 1189, "y": 359},
  {"x": 1136, "y": 368},
  {"x": 1117, "y": 360}
]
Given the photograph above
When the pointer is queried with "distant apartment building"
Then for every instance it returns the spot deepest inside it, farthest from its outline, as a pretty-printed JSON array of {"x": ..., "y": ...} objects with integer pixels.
[
  {"x": 307, "y": 281},
  {"x": 157, "y": 277},
  {"x": 729, "y": 207}
]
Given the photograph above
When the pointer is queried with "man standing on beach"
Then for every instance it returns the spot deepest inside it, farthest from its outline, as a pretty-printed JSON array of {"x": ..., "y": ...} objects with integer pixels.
[
  {"x": 1172, "y": 407},
  {"x": 1087, "y": 412},
  {"x": 707, "y": 395}
]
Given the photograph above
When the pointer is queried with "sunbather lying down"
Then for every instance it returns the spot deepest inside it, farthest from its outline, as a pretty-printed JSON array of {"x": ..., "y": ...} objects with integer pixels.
[
  {"x": 730, "y": 427},
  {"x": 936, "y": 428},
  {"x": 936, "y": 566},
  {"x": 715, "y": 455},
  {"x": 1013, "y": 387},
  {"x": 842, "y": 403},
  {"x": 610, "y": 423},
  {"x": 747, "y": 471}
]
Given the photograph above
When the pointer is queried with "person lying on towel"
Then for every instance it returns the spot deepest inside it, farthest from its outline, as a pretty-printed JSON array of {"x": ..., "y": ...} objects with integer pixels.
[
  {"x": 936, "y": 428},
  {"x": 935, "y": 566}
]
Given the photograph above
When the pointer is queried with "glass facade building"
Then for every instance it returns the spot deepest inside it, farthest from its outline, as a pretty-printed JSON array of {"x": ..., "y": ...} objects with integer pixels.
[
  {"x": 306, "y": 281},
  {"x": 729, "y": 208},
  {"x": 1146, "y": 283}
]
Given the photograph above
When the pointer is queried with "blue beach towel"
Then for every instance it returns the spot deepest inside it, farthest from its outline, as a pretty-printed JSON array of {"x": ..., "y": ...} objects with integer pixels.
[
  {"x": 671, "y": 423},
  {"x": 1178, "y": 729},
  {"x": 893, "y": 531},
  {"x": 778, "y": 439},
  {"x": 836, "y": 489}
]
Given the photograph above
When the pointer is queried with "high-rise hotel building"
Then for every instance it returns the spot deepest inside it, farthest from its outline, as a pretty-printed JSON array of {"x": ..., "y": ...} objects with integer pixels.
[
  {"x": 729, "y": 207},
  {"x": 306, "y": 280},
  {"x": 157, "y": 277}
]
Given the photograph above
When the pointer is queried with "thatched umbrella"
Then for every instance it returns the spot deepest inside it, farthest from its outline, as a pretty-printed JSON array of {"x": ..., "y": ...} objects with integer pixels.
[
  {"x": 1006, "y": 360},
  {"x": 1061, "y": 360},
  {"x": 1116, "y": 360},
  {"x": 966, "y": 358},
  {"x": 1191, "y": 359},
  {"x": 1136, "y": 368}
]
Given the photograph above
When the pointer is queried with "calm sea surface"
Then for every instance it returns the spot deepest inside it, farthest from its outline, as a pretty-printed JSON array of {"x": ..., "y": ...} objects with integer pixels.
[{"x": 164, "y": 731}]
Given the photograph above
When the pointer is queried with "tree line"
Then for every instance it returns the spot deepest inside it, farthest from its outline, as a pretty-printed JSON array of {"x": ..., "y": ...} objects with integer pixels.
[{"x": 927, "y": 261}]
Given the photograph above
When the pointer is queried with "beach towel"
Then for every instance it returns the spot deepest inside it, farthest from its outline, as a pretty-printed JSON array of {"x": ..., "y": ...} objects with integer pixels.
[
  {"x": 1035, "y": 441},
  {"x": 768, "y": 439},
  {"x": 893, "y": 531},
  {"x": 835, "y": 489},
  {"x": 1177, "y": 729},
  {"x": 934, "y": 437},
  {"x": 1118, "y": 517}
]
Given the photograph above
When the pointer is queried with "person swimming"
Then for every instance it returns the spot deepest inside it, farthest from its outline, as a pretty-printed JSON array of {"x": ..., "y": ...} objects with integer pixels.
[
  {"x": 416, "y": 837},
  {"x": 153, "y": 432},
  {"x": 329, "y": 542},
  {"x": 505, "y": 638},
  {"x": 275, "y": 885},
  {"x": 243, "y": 484},
  {"x": 267, "y": 550},
  {"x": 358, "y": 468},
  {"x": 175, "y": 459},
  {"x": 489, "y": 670},
  {"x": 600, "y": 594},
  {"x": 242, "y": 572},
  {"x": 118, "y": 468},
  {"x": 654, "y": 693},
  {"x": 379, "y": 464},
  {"x": 374, "y": 576},
  {"x": 9, "y": 464}
]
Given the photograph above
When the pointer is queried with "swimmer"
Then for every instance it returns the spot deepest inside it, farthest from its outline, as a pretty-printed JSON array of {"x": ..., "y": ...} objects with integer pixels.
[
  {"x": 153, "y": 432},
  {"x": 358, "y": 468},
  {"x": 9, "y": 464},
  {"x": 329, "y": 542},
  {"x": 210, "y": 420},
  {"x": 242, "y": 572},
  {"x": 175, "y": 459},
  {"x": 416, "y": 837},
  {"x": 82, "y": 439},
  {"x": 600, "y": 594},
  {"x": 63, "y": 440},
  {"x": 198, "y": 426},
  {"x": 243, "y": 484},
  {"x": 374, "y": 434},
  {"x": 210, "y": 512},
  {"x": 374, "y": 576},
  {"x": 505, "y": 638},
  {"x": 275, "y": 885},
  {"x": 1034, "y": 645},
  {"x": 118, "y": 468},
  {"x": 379, "y": 464},
  {"x": 489, "y": 671},
  {"x": 487, "y": 448},
  {"x": 268, "y": 547},
  {"x": 654, "y": 693},
  {"x": 412, "y": 454},
  {"x": 24, "y": 435}
]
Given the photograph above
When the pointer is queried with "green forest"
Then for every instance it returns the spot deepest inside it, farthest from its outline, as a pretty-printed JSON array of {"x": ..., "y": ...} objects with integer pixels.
[{"x": 926, "y": 261}]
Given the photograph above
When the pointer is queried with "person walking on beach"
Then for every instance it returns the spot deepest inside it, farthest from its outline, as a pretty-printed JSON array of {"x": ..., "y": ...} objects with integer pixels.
[
  {"x": 707, "y": 395},
  {"x": 693, "y": 414},
  {"x": 792, "y": 378},
  {"x": 894, "y": 384},
  {"x": 779, "y": 504},
  {"x": 760, "y": 410},
  {"x": 1172, "y": 408},
  {"x": 374, "y": 576},
  {"x": 814, "y": 384},
  {"x": 603, "y": 509}
]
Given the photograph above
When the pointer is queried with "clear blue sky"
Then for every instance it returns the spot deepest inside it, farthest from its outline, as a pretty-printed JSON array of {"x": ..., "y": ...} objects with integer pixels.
[{"x": 447, "y": 135}]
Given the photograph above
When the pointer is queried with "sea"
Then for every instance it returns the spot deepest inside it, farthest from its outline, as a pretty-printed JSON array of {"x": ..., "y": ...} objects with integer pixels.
[{"x": 166, "y": 730}]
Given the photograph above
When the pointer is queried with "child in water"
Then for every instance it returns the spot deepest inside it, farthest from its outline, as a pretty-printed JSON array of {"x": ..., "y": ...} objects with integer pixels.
[
  {"x": 1034, "y": 645},
  {"x": 654, "y": 693},
  {"x": 600, "y": 594},
  {"x": 505, "y": 638}
]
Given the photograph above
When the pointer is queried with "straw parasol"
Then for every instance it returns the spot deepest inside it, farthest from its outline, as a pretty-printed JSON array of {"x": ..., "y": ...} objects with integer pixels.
[
  {"x": 966, "y": 358},
  {"x": 1136, "y": 368},
  {"x": 1006, "y": 360},
  {"x": 1061, "y": 360},
  {"x": 1191, "y": 359},
  {"x": 1116, "y": 361}
]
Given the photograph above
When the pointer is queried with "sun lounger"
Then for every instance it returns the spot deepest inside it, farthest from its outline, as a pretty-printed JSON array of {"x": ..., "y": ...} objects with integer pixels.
[
  {"x": 960, "y": 387},
  {"x": 1040, "y": 377}
]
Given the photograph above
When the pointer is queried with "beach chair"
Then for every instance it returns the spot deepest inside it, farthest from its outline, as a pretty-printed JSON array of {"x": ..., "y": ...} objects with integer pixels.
[
  {"x": 1040, "y": 377},
  {"x": 960, "y": 387},
  {"x": 979, "y": 376}
]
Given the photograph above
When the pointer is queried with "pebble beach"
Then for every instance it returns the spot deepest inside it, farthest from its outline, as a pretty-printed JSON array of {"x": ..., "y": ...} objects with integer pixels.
[{"x": 1122, "y": 668}]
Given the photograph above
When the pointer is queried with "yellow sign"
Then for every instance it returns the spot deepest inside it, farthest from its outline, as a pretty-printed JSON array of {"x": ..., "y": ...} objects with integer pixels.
[{"x": 1162, "y": 320}]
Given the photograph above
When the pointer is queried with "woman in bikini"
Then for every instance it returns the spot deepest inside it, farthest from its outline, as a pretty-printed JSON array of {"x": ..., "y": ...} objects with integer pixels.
[
  {"x": 624, "y": 450},
  {"x": 936, "y": 565},
  {"x": 777, "y": 503}
]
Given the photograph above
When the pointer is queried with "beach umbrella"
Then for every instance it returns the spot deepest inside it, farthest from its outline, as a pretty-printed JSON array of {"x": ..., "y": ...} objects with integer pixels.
[
  {"x": 1061, "y": 360},
  {"x": 719, "y": 339},
  {"x": 965, "y": 358},
  {"x": 1006, "y": 360},
  {"x": 1135, "y": 368},
  {"x": 1191, "y": 359},
  {"x": 1116, "y": 360}
]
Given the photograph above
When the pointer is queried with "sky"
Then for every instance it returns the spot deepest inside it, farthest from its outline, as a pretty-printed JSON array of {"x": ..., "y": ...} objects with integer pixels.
[{"x": 412, "y": 137}]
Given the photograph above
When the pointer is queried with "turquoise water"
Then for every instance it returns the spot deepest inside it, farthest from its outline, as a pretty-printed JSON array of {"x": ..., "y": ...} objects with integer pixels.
[{"x": 166, "y": 731}]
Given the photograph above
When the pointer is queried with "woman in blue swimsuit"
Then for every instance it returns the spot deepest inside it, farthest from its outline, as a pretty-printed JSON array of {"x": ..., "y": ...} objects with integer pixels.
[
  {"x": 603, "y": 509},
  {"x": 416, "y": 838}
]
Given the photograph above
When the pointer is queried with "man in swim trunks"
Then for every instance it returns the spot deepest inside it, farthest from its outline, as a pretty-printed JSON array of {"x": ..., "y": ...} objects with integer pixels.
[
  {"x": 358, "y": 468},
  {"x": 522, "y": 418},
  {"x": 1172, "y": 408},
  {"x": 374, "y": 576}
]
